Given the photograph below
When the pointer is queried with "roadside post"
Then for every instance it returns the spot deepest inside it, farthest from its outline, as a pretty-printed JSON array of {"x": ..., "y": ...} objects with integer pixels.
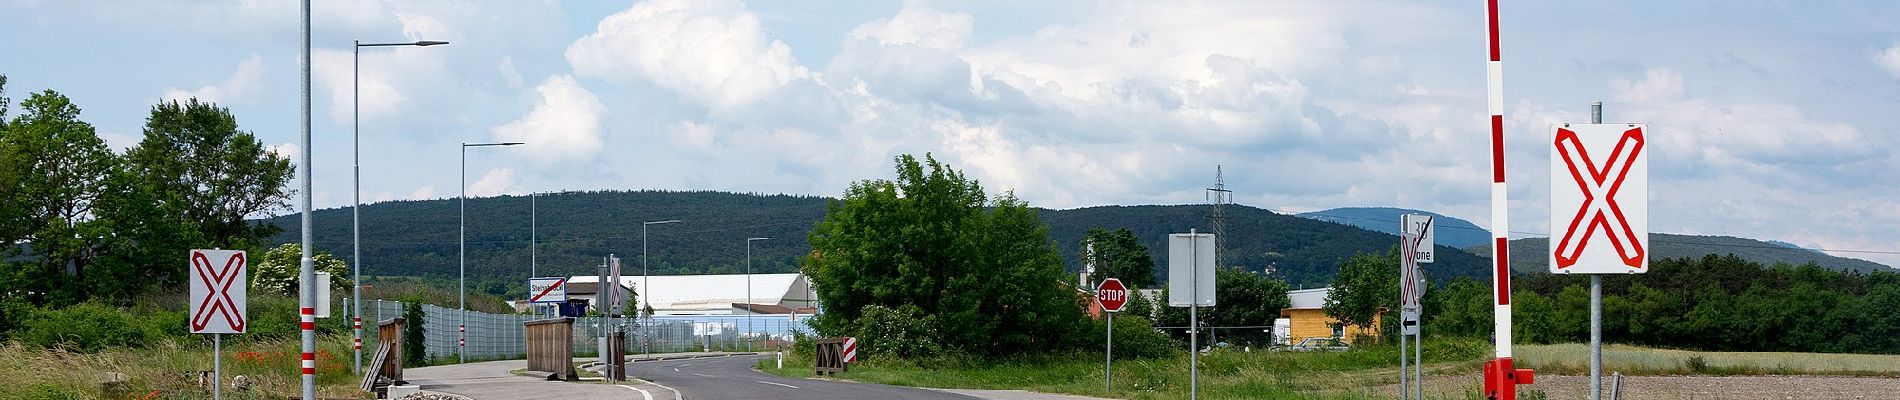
[
  {"x": 1191, "y": 284},
  {"x": 1415, "y": 247},
  {"x": 1590, "y": 197},
  {"x": 218, "y": 302},
  {"x": 1112, "y": 295}
]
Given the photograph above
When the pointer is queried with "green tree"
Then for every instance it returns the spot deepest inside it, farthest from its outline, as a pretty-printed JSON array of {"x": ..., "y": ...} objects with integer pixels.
[
  {"x": 1245, "y": 299},
  {"x": 209, "y": 173},
  {"x": 1367, "y": 286},
  {"x": 985, "y": 270},
  {"x": 1118, "y": 254},
  {"x": 278, "y": 270},
  {"x": 57, "y": 169}
]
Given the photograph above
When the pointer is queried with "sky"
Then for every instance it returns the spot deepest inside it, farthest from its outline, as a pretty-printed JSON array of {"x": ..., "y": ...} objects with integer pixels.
[{"x": 1767, "y": 119}]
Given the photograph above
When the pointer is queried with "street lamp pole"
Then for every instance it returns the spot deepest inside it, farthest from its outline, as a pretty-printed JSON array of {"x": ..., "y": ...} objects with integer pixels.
[
  {"x": 461, "y": 288},
  {"x": 356, "y": 202},
  {"x": 748, "y": 291},
  {"x": 646, "y": 283}
]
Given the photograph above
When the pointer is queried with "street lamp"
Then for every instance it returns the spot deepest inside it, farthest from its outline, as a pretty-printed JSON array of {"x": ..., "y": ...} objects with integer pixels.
[
  {"x": 748, "y": 291},
  {"x": 356, "y": 202},
  {"x": 461, "y": 288},
  {"x": 646, "y": 282}
]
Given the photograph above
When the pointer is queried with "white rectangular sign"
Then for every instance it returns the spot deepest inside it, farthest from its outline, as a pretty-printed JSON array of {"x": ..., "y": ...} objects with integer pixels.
[
  {"x": 547, "y": 290},
  {"x": 1419, "y": 228},
  {"x": 1191, "y": 264},
  {"x": 1599, "y": 199},
  {"x": 217, "y": 294},
  {"x": 322, "y": 287}
]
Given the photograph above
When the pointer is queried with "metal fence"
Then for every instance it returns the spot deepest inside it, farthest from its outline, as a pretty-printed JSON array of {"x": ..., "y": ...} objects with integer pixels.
[{"x": 492, "y": 336}]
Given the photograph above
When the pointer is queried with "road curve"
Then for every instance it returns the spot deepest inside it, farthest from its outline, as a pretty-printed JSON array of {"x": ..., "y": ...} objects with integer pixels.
[{"x": 732, "y": 378}]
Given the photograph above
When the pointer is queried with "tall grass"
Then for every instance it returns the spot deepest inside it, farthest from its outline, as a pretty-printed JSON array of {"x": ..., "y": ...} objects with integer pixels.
[
  {"x": 162, "y": 370},
  {"x": 1574, "y": 358},
  {"x": 1224, "y": 374}
]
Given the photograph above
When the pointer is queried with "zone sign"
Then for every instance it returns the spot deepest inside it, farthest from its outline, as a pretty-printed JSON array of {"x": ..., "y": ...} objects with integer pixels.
[
  {"x": 1112, "y": 295},
  {"x": 1599, "y": 199}
]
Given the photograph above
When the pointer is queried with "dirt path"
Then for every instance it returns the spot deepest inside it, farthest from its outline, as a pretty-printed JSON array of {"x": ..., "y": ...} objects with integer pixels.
[{"x": 1573, "y": 387}]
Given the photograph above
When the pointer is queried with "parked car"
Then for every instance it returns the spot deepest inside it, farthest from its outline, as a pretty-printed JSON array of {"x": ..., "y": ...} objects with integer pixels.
[{"x": 1319, "y": 344}]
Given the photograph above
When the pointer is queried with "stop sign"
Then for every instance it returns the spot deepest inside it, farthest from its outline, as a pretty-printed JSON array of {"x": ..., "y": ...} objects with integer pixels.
[{"x": 1112, "y": 295}]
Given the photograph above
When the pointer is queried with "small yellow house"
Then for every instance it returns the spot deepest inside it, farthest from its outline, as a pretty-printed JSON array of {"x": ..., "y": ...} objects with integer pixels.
[{"x": 1306, "y": 318}]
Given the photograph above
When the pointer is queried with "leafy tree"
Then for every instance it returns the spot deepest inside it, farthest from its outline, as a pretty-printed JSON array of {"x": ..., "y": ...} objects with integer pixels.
[
  {"x": 1367, "y": 286},
  {"x": 1138, "y": 304},
  {"x": 985, "y": 270},
  {"x": 278, "y": 270},
  {"x": 1245, "y": 299},
  {"x": 57, "y": 169},
  {"x": 209, "y": 173},
  {"x": 415, "y": 343},
  {"x": 1118, "y": 254}
]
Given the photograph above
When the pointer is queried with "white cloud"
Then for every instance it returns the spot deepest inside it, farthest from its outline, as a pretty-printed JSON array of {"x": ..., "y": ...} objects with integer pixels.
[
  {"x": 288, "y": 150},
  {"x": 426, "y": 192},
  {"x": 495, "y": 183},
  {"x": 242, "y": 83},
  {"x": 119, "y": 142},
  {"x": 920, "y": 26},
  {"x": 711, "y": 52},
  {"x": 508, "y": 72},
  {"x": 1889, "y": 60},
  {"x": 563, "y": 126}
]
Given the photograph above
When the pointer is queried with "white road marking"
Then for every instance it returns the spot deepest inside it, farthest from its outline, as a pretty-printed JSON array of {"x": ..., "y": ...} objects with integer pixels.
[
  {"x": 676, "y": 392},
  {"x": 777, "y": 384},
  {"x": 643, "y": 393},
  {"x": 704, "y": 375},
  {"x": 676, "y": 370}
]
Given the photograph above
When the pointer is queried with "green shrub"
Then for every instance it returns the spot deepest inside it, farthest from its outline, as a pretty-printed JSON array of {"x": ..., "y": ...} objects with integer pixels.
[
  {"x": 91, "y": 326},
  {"x": 414, "y": 343},
  {"x": 903, "y": 333},
  {"x": 1135, "y": 337}
]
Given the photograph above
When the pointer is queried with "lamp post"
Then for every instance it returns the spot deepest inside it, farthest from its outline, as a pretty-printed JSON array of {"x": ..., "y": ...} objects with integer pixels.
[
  {"x": 748, "y": 291},
  {"x": 356, "y": 200},
  {"x": 461, "y": 288},
  {"x": 646, "y": 283}
]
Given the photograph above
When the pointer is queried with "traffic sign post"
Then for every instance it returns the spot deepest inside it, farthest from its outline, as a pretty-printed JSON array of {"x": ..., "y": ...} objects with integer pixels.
[
  {"x": 1112, "y": 295},
  {"x": 1191, "y": 284},
  {"x": 547, "y": 290},
  {"x": 1415, "y": 247},
  {"x": 1599, "y": 187},
  {"x": 218, "y": 302}
]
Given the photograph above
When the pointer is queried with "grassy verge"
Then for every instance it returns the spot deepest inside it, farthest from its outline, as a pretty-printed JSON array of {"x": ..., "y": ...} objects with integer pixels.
[
  {"x": 1223, "y": 374},
  {"x": 1574, "y": 358},
  {"x": 162, "y": 370}
]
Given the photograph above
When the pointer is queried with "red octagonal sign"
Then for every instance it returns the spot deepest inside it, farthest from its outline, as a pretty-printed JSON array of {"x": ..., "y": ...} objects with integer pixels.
[{"x": 1112, "y": 295}]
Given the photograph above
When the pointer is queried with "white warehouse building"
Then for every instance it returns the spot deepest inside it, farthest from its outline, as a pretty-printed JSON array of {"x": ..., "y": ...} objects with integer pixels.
[{"x": 695, "y": 295}]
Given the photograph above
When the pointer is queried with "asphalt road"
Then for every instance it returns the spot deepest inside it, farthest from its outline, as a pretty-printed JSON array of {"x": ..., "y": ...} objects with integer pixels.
[
  {"x": 732, "y": 378},
  {"x": 491, "y": 380}
]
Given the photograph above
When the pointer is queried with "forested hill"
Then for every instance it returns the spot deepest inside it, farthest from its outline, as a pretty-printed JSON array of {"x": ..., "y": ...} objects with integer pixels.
[
  {"x": 1305, "y": 252},
  {"x": 1449, "y": 231},
  {"x": 1528, "y": 255},
  {"x": 418, "y": 238}
]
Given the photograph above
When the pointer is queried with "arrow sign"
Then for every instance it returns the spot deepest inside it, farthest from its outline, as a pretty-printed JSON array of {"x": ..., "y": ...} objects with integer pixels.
[
  {"x": 217, "y": 294},
  {"x": 1599, "y": 195}
]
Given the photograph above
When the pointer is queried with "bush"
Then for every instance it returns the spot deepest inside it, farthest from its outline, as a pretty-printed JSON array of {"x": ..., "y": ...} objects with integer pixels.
[
  {"x": 92, "y": 326},
  {"x": 1136, "y": 337},
  {"x": 414, "y": 342},
  {"x": 903, "y": 333}
]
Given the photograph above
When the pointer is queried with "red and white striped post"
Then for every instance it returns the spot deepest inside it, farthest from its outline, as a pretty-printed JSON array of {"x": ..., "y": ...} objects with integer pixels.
[{"x": 1500, "y": 378}]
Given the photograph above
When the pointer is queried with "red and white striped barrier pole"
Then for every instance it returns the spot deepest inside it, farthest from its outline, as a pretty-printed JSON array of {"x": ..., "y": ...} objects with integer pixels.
[
  {"x": 307, "y": 317},
  {"x": 1500, "y": 378}
]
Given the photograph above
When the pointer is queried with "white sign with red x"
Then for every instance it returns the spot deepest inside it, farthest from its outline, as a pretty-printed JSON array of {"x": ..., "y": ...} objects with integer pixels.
[
  {"x": 1599, "y": 199},
  {"x": 217, "y": 294}
]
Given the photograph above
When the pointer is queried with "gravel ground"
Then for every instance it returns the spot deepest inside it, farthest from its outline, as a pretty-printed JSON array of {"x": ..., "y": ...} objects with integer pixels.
[
  {"x": 1574, "y": 387},
  {"x": 434, "y": 396}
]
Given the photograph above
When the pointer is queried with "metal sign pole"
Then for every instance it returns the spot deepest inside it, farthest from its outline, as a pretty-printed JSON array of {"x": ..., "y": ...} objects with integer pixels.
[
  {"x": 1194, "y": 322},
  {"x": 1404, "y": 390},
  {"x": 1108, "y": 366},
  {"x": 217, "y": 366},
  {"x": 1418, "y": 357},
  {"x": 1596, "y": 303}
]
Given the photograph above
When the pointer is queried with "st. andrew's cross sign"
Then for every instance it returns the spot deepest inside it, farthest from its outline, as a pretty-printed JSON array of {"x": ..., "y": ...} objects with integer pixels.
[{"x": 1599, "y": 199}]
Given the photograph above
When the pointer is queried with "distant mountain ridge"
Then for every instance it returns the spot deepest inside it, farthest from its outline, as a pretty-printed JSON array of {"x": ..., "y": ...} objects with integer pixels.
[
  {"x": 577, "y": 229},
  {"x": 1528, "y": 255},
  {"x": 1451, "y": 231}
]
